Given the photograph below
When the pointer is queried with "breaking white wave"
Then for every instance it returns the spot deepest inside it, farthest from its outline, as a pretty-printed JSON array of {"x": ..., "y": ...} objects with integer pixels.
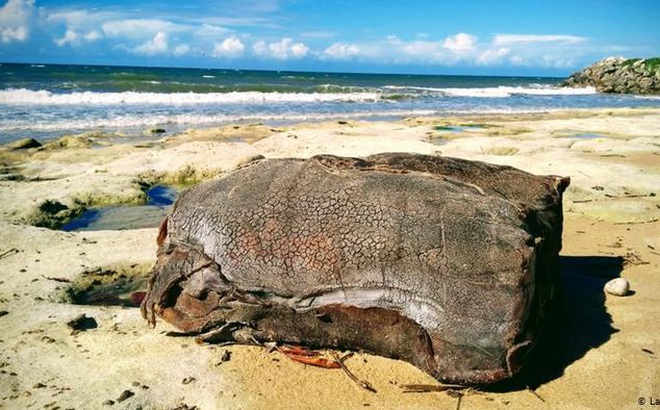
[
  {"x": 501, "y": 91},
  {"x": 192, "y": 120},
  {"x": 42, "y": 97},
  {"x": 29, "y": 97}
]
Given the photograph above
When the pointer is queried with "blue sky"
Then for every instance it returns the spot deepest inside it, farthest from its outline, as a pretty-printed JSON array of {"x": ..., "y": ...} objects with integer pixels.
[{"x": 497, "y": 37}]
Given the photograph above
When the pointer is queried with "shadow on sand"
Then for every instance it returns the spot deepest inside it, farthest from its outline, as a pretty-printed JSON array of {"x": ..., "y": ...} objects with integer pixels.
[{"x": 584, "y": 323}]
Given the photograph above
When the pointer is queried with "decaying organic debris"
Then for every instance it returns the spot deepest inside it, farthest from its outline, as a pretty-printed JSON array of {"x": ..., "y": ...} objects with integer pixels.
[{"x": 448, "y": 264}]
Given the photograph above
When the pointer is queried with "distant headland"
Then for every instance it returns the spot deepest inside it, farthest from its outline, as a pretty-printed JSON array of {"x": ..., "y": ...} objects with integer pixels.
[{"x": 620, "y": 75}]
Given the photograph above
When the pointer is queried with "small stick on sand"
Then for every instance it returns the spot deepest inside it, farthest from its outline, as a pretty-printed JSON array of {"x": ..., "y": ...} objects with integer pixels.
[
  {"x": 535, "y": 394},
  {"x": 362, "y": 383},
  {"x": 63, "y": 280},
  {"x": 8, "y": 252},
  {"x": 458, "y": 403},
  {"x": 637, "y": 223},
  {"x": 427, "y": 388}
]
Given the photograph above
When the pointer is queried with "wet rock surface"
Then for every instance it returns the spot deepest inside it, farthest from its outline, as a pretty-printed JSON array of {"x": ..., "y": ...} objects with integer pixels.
[{"x": 619, "y": 75}]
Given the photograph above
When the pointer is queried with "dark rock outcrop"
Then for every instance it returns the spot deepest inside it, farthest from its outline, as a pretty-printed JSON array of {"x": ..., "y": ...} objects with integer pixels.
[
  {"x": 620, "y": 75},
  {"x": 25, "y": 143}
]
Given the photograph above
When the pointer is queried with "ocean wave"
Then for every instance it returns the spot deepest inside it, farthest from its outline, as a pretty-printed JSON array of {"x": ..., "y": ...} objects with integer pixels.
[
  {"x": 204, "y": 120},
  {"x": 504, "y": 92},
  {"x": 499, "y": 92},
  {"x": 321, "y": 93},
  {"x": 43, "y": 97},
  {"x": 196, "y": 120}
]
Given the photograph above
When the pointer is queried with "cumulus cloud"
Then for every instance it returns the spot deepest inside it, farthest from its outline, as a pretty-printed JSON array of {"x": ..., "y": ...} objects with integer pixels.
[
  {"x": 421, "y": 49},
  {"x": 81, "y": 26},
  {"x": 508, "y": 39},
  {"x": 70, "y": 37},
  {"x": 493, "y": 56},
  {"x": 10, "y": 34},
  {"x": 73, "y": 38},
  {"x": 459, "y": 43},
  {"x": 181, "y": 49},
  {"x": 14, "y": 20},
  {"x": 92, "y": 36},
  {"x": 340, "y": 51},
  {"x": 393, "y": 50},
  {"x": 555, "y": 51},
  {"x": 282, "y": 50},
  {"x": 231, "y": 47},
  {"x": 157, "y": 45}
]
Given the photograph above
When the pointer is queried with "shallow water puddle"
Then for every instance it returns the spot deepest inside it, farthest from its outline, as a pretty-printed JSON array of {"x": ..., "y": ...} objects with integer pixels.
[
  {"x": 119, "y": 217},
  {"x": 117, "y": 286},
  {"x": 442, "y": 139},
  {"x": 458, "y": 128},
  {"x": 588, "y": 136}
]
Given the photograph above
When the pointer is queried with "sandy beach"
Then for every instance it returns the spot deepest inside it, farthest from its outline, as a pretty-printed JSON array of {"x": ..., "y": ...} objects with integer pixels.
[{"x": 609, "y": 356}]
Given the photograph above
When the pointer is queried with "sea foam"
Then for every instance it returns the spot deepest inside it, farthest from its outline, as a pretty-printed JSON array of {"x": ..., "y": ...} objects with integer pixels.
[
  {"x": 41, "y": 97},
  {"x": 497, "y": 92}
]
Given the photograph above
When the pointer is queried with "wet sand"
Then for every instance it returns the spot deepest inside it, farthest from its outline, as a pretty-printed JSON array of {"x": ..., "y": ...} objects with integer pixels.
[{"x": 608, "y": 356}]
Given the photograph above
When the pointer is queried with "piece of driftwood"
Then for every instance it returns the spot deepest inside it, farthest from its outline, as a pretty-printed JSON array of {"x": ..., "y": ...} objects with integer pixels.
[{"x": 448, "y": 264}]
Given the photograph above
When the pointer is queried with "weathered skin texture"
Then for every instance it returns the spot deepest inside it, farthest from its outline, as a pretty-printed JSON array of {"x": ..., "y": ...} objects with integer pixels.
[{"x": 448, "y": 264}]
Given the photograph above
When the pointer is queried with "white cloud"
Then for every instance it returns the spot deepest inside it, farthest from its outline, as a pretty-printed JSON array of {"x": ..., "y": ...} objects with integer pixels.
[
  {"x": 340, "y": 51},
  {"x": 532, "y": 50},
  {"x": 283, "y": 50},
  {"x": 392, "y": 39},
  {"x": 210, "y": 30},
  {"x": 508, "y": 39},
  {"x": 393, "y": 50},
  {"x": 421, "y": 49},
  {"x": 92, "y": 36},
  {"x": 493, "y": 56},
  {"x": 14, "y": 34},
  {"x": 299, "y": 50},
  {"x": 78, "y": 18},
  {"x": 81, "y": 26},
  {"x": 181, "y": 49},
  {"x": 70, "y": 37},
  {"x": 15, "y": 17},
  {"x": 519, "y": 60},
  {"x": 536, "y": 50},
  {"x": 231, "y": 47},
  {"x": 157, "y": 45},
  {"x": 460, "y": 43},
  {"x": 74, "y": 38},
  {"x": 138, "y": 28}
]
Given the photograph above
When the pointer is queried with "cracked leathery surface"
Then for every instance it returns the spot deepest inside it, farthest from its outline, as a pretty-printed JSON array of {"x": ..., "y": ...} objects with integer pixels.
[{"x": 445, "y": 263}]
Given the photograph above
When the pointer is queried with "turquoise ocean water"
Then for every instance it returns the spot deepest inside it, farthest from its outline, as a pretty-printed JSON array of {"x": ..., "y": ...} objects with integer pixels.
[{"x": 48, "y": 101}]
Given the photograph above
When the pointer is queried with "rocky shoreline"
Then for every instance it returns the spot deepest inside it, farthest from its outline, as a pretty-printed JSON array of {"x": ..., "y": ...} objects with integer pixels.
[{"x": 619, "y": 75}]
